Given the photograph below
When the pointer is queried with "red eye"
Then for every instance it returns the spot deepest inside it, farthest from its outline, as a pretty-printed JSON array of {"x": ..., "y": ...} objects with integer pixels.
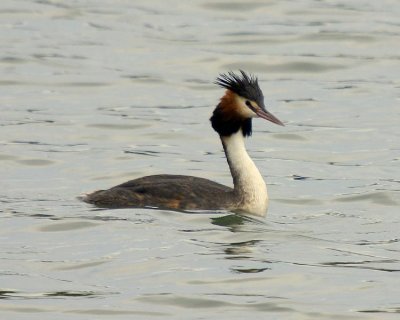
[{"x": 248, "y": 103}]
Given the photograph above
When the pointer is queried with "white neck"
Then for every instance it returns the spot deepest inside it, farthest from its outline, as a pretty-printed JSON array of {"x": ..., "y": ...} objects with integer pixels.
[{"x": 249, "y": 185}]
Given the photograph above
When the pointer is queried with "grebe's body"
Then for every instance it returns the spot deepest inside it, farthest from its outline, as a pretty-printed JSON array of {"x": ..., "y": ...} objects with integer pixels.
[{"x": 231, "y": 119}]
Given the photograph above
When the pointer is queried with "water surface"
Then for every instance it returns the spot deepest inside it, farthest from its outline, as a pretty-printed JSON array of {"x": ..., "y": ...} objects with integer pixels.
[{"x": 95, "y": 93}]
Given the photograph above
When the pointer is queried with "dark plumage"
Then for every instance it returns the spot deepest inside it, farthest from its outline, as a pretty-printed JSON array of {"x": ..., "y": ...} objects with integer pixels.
[
  {"x": 245, "y": 86},
  {"x": 165, "y": 191},
  {"x": 225, "y": 127}
]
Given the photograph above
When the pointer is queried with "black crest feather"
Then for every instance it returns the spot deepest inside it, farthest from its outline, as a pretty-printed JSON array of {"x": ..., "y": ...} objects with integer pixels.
[{"x": 245, "y": 85}]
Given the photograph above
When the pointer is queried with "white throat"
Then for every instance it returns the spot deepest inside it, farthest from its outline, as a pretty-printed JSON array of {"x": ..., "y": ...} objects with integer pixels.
[{"x": 249, "y": 185}]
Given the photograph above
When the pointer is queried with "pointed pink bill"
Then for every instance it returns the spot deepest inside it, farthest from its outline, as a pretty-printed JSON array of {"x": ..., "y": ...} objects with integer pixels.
[{"x": 268, "y": 116}]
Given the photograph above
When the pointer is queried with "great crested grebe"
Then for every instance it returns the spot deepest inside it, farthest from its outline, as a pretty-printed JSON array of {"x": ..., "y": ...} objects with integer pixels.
[{"x": 232, "y": 120}]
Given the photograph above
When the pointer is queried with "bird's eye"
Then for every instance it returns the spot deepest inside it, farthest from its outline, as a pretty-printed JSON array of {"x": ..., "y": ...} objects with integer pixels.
[{"x": 248, "y": 103}]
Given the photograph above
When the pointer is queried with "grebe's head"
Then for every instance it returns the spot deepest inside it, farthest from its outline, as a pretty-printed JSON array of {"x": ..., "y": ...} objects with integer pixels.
[{"x": 243, "y": 100}]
